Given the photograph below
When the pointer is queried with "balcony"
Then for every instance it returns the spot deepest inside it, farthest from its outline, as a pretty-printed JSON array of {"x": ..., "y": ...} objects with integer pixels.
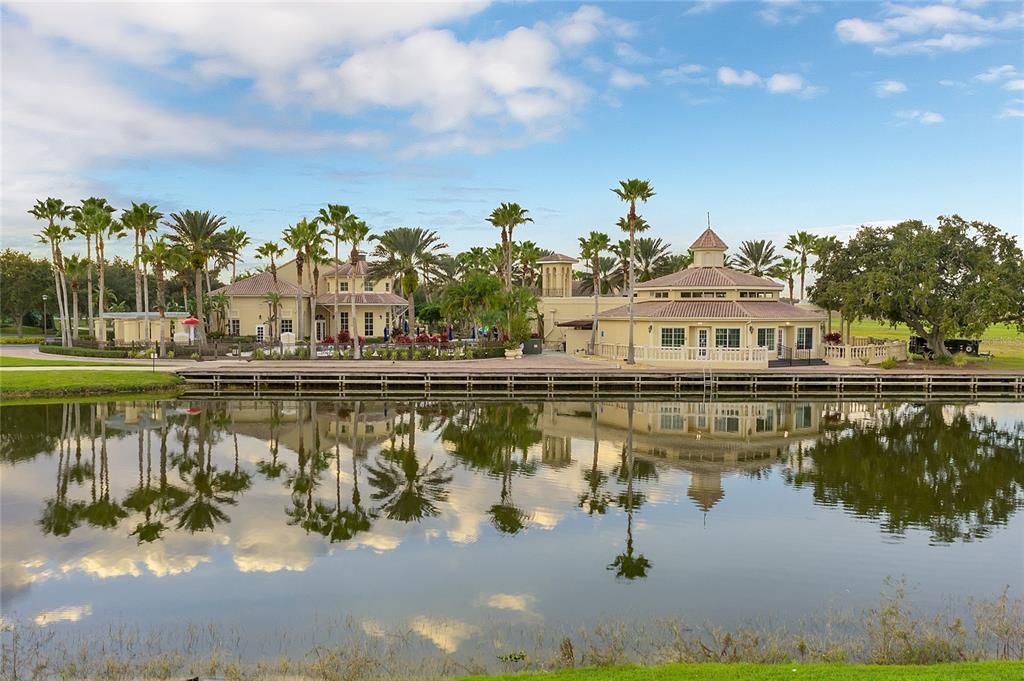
[{"x": 737, "y": 358}]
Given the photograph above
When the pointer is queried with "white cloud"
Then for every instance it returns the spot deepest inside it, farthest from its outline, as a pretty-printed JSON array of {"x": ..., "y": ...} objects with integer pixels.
[
  {"x": 587, "y": 23},
  {"x": 923, "y": 117},
  {"x": 948, "y": 82},
  {"x": 730, "y": 76},
  {"x": 861, "y": 31},
  {"x": 776, "y": 84},
  {"x": 785, "y": 83},
  {"x": 1011, "y": 112},
  {"x": 790, "y": 12},
  {"x": 626, "y": 80},
  {"x": 1015, "y": 84},
  {"x": 630, "y": 54},
  {"x": 684, "y": 73},
  {"x": 886, "y": 88},
  {"x": 925, "y": 29},
  {"x": 997, "y": 73},
  {"x": 950, "y": 42},
  {"x": 71, "y": 613}
]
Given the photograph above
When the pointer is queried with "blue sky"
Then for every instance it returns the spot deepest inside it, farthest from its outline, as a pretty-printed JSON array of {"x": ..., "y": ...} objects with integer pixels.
[{"x": 773, "y": 116}]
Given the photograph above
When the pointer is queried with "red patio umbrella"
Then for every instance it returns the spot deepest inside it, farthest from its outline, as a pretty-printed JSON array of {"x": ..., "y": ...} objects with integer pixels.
[{"x": 190, "y": 321}]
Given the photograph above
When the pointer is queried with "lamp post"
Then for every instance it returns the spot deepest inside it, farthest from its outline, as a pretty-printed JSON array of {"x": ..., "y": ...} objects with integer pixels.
[{"x": 45, "y": 326}]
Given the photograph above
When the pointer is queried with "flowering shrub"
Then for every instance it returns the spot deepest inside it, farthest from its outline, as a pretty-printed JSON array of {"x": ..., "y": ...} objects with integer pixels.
[{"x": 834, "y": 338}]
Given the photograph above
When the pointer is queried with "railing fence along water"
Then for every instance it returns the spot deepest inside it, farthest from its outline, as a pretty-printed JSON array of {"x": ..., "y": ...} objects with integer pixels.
[
  {"x": 684, "y": 354},
  {"x": 870, "y": 353}
]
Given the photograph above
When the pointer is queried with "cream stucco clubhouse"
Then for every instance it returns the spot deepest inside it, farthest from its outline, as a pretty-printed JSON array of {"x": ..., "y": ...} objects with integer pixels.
[{"x": 706, "y": 315}]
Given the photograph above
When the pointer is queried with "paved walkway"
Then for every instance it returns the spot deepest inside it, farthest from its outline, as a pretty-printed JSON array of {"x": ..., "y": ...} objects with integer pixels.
[{"x": 544, "y": 363}]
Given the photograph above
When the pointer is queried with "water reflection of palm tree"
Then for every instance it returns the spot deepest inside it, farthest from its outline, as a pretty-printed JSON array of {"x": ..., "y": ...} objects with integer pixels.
[
  {"x": 206, "y": 488},
  {"x": 103, "y": 511},
  {"x": 304, "y": 480},
  {"x": 407, "y": 489},
  {"x": 142, "y": 498},
  {"x": 342, "y": 523},
  {"x": 273, "y": 469},
  {"x": 60, "y": 516},
  {"x": 626, "y": 565},
  {"x": 595, "y": 499}
]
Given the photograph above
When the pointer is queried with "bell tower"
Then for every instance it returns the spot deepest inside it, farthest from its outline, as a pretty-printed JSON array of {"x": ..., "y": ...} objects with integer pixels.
[{"x": 708, "y": 250}]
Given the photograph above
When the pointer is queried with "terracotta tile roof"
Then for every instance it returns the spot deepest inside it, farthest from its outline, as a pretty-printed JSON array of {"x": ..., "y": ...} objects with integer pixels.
[
  {"x": 712, "y": 309},
  {"x": 558, "y": 257},
  {"x": 362, "y": 298},
  {"x": 704, "y": 277},
  {"x": 260, "y": 285},
  {"x": 708, "y": 239},
  {"x": 345, "y": 269}
]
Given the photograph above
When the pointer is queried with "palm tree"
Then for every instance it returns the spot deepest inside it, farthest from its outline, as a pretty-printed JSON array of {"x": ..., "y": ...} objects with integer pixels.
[
  {"x": 219, "y": 305},
  {"x": 527, "y": 255},
  {"x": 237, "y": 241},
  {"x": 786, "y": 269},
  {"x": 271, "y": 251},
  {"x": 98, "y": 216},
  {"x": 75, "y": 267},
  {"x": 406, "y": 254},
  {"x": 54, "y": 212},
  {"x": 140, "y": 219},
  {"x": 160, "y": 254},
  {"x": 673, "y": 263},
  {"x": 337, "y": 217},
  {"x": 756, "y": 257},
  {"x": 631, "y": 191},
  {"x": 317, "y": 255},
  {"x": 508, "y": 216},
  {"x": 591, "y": 248},
  {"x": 295, "y": 238},
  {"x": 273, "y": 299},
  {"x": 650, "y": 254},
  {"x": 803, "y": 244},
  {"x": 354, "y": 233},
  {"x": 82, "y": 228},
  {"x": 198, "y": 236}
]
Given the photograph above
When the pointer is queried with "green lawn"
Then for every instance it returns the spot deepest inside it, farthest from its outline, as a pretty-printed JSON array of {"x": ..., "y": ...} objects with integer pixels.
[
  {"x": 12, "y": 330},
  {"x": 1003, "y": 341},
  {"x": 6, "y": 361},
  {"x": 966, "y": 671},
  {"x": 52, "y": 383}
]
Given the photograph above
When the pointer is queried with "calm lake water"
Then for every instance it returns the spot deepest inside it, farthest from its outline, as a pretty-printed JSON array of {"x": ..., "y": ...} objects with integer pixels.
[{"x": 445, "y": 519}]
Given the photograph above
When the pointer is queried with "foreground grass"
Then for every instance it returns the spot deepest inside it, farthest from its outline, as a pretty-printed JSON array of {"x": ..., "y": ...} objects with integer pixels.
[
  {"x": 708, "y": 671},
  {"x": 57, "y": 383},
  {"x": 6, "y": 361}
]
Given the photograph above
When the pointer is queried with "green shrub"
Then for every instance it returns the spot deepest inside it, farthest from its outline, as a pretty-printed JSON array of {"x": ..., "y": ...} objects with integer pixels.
[
  {"x": 21, "y": 340},
  {"x": 943, "y": 360},
  {"x": 83, "y": 352},
  {"x": 195, "y": 356},
  {"x": 170, "y": 354},
  {"x": 959, "y": 360},
  {"x": 258, "y": 354},
  {"x": 888, "y": 363}
]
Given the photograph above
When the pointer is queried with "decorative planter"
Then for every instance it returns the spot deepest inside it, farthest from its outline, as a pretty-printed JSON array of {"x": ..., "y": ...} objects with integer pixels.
[{"x": 511, "y": 354}]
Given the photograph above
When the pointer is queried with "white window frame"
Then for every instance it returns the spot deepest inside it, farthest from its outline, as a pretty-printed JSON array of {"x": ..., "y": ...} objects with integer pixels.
[
  {"x": 260, "y": 333},
  {"x": 728, "y": 330},
  {"x": 367, "y": 324},
  {"x": 343, "y": 320},
  {"x": 234, "y": 327},
  {"x": 290, "y": 328},
  {"x": 676, "y": 333},
  {"x": 805, "y": 338},
  {"x": 762, "y": 336}
]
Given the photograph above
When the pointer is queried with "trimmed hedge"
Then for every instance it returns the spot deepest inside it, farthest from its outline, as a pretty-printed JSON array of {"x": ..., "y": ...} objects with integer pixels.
[
  {"x": 83, "y": 352},
  {"x": 21, "y": 340}
]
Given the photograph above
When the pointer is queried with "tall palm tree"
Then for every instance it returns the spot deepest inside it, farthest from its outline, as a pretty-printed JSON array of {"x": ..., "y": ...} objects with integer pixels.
[
  {"x": 473, "y": 260},
  {"x": 756, "y": 257},
  {"x": 631, "y": 191},
  {"x": 673, "y": 263},
  {"x": 591, "y": 248},
  {"x": 406, "y": 254},
  {"x": 140, "y": 219},
  {"x": 295, "y": 238},
  {"x": 160, "y": 254},
  {"x": 337, "y": 216},
  {"x": 650, "y": 254},
  {"x": 786, "y": 269},
  {"x": 354, "y": 233},
  {"x": 82, "y": 228},
  {"x": 270, "y": 251},
  {"x": 527, "y": 255},
  {"x": 317, "y": 256},
  {"x": 54, "y": 212},
  {"x": 98, "y": 215},
  {"x": 507, "y": 217},
  {"x": 237, "y": 241},
  {"x": 75, "y": 267},
  {"x": 803, "y": 244},
  {"x": 198, "y": 235},
  {"x": 273, "y": 300}
]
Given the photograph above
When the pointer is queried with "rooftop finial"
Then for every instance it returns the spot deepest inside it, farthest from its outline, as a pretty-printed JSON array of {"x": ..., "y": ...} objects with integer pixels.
[{"x": 709, "y": 219}]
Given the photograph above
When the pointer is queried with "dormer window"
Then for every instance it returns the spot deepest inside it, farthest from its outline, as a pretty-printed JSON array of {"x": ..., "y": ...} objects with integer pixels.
[
  {"x": 661, "y": 294},
  {"x": 342, "y": 286}
]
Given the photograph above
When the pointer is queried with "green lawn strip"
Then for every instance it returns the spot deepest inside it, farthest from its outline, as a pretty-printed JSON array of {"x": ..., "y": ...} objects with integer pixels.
[
  {"x": 57, "y": 383},
  {"x": 6, "y": 361},
  {"x": 961, "y": 671}
]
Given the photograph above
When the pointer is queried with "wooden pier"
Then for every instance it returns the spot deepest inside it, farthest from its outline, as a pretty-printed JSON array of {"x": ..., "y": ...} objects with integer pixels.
[{"x": 268, "y": 383}]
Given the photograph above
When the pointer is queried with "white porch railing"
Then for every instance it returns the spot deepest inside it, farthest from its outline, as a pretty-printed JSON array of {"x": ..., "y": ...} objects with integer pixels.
[
  {"x": 644, "y": 353},
  {"x": 875, "y": 353}
]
